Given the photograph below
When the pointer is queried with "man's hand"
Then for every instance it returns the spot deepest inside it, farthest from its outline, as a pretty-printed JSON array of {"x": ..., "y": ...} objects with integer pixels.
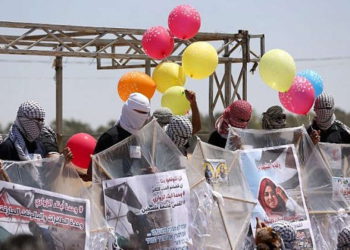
[
  {"x": 315, "y": 136},
  {"x": 150, "y": 170},
  {"x": 235, "y": 142},
  {"x": 191, "y": 96},
  {"x": 196, "y": 119},
  {"x": 68, "y": 155}
]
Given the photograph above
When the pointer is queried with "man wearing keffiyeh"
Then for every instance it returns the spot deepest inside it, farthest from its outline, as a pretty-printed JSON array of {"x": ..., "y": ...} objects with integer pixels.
[
  {"x": 325, "y": 127},
  {"x": 180, "y": 131},
  {"x": 22, "y": 143},
  {"x": 274, "y": 118},
  {"x": 236, "y": 115}
]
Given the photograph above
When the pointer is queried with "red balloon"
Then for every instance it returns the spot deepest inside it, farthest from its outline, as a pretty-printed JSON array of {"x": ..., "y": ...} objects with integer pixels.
[
  {"x": 82, "y": 146},
  {"x": 157, "y": 42},
  {"x": 300, "y": 97},
  {"x": 184, "y": 22}
]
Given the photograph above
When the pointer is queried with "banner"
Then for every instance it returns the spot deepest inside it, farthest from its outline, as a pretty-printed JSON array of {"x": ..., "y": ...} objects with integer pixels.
[
  {"x": 60, "y": 221},
  {"x": 149, "y": 211},
  {"x": 273, "y": 177}
]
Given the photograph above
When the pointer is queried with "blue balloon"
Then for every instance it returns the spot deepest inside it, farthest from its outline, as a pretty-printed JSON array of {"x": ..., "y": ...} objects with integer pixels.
[{"x": 315, "y": 79}]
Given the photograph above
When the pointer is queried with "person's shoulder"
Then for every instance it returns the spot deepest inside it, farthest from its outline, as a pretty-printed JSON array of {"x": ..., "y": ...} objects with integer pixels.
[
  {"x": 108, "y": 134},
  {"x": 216, "y": 139},
  {"x": 7, "y": 143},
  {"x": 342, "y": 127},
  {"x": 106, "y": 139},
  {"x": 7, "y": 150},
  {"x": 214, "y": 133}
]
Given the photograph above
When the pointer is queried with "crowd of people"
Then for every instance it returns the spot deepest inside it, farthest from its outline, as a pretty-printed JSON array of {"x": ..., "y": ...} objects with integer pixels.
[{"x": 30, "y": 139}]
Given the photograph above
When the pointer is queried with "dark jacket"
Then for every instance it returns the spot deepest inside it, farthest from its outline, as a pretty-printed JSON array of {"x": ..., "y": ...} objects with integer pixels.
[
  {"x": 107, "y": 139},
  {"x": 8, "y": 151},
  {"x": 217, "y": 140},
  {"x": 337, "y": 133}
]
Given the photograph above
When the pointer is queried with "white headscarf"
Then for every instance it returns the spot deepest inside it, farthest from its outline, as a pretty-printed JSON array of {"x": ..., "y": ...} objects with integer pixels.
[{"x": 130, "y": 119}]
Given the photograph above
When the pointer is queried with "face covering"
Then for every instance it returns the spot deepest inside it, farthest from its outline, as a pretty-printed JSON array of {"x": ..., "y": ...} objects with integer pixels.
[
  {"x": 236, "y": 115},
  {"x": 135, "y": 113},
  {"x": 274, "y": 118},
  {"x": 179, "y": 130},
  {"x": 324, "y": 109},
  {"x": 30, "y": 120},
  {"x": 28, "y": 125}
]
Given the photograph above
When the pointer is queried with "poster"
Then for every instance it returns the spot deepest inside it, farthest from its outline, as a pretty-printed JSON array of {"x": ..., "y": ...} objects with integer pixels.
[
  {"x": 216, "y": 171},
  {"x": 60, "y": 221},
  {"x": 273, "y": 178},
  {"x": 149, "y": 211},
  {"x": 341, "y": 188}
]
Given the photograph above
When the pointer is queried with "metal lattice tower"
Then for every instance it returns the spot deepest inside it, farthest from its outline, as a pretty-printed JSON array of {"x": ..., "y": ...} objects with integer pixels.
[{"x": 118, "y": 48}]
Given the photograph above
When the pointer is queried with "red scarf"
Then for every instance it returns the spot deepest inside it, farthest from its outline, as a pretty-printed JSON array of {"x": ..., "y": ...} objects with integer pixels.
[{"x": 236, "y": 115}]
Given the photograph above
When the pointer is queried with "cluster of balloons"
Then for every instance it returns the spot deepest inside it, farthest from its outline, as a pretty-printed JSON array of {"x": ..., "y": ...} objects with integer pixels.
[
  {"x": 184, "y": 23},
  {"x": 297, "y": 92},
  {"x": 199, "y": 60}
]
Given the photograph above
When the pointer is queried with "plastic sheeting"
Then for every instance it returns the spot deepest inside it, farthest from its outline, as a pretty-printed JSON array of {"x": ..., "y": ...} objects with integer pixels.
[
  {"x": 53, "y": 175},
  {"x": 273, "y": 175},
  {"x": 326, "y": 214},
  {"x": 149, "y": 152},
  {"x": 338, "y": 158},
  {"x": 138, "y": 154},
  {"x": 231, "y": 211}
]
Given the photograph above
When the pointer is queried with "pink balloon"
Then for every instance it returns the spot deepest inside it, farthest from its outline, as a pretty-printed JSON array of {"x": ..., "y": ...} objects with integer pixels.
[
  {"x": 184, "y": 22},
  {"x": 157, "y": 42},
  {"x": 300, "y": 97},
  {"x": 82, "y": 146}
]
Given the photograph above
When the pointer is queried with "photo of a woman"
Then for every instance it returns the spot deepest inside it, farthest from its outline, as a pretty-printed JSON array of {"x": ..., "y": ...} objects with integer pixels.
[{"x": 275, "y": 202}]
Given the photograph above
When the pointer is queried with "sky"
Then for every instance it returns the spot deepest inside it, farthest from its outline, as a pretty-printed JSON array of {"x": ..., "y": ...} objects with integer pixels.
[{"x": 305, "y": 29}]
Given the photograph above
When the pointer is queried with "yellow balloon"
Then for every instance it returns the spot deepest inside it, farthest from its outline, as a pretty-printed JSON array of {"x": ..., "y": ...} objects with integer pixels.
[
  {"x": 200, "y": 60},
  {"x": 175, "y": 99},
  {"x": 277, "y": 69},
  {"x": 168, "y": 74}
]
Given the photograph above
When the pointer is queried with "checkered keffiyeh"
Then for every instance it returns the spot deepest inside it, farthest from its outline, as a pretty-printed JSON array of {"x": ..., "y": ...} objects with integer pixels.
[
  {"x": 286, "y": 231},
  {"x": 236, "y": 115},
  {"x": 324, "y": 109},
  {"x": 26, "y": 126},
  {"x": 344, "y": 239},
  {"x": 31, "y": 109},
  {"x": 179, "y": 130}
]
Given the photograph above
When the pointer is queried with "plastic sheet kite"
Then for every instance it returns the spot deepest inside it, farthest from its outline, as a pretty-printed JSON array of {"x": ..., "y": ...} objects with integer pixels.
[
  {"x": 327, "y": 215},
  {"x": 233, "y": 203},
  {"x": 55, "y": 176},
  {"x": 146, "y": 192}
]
